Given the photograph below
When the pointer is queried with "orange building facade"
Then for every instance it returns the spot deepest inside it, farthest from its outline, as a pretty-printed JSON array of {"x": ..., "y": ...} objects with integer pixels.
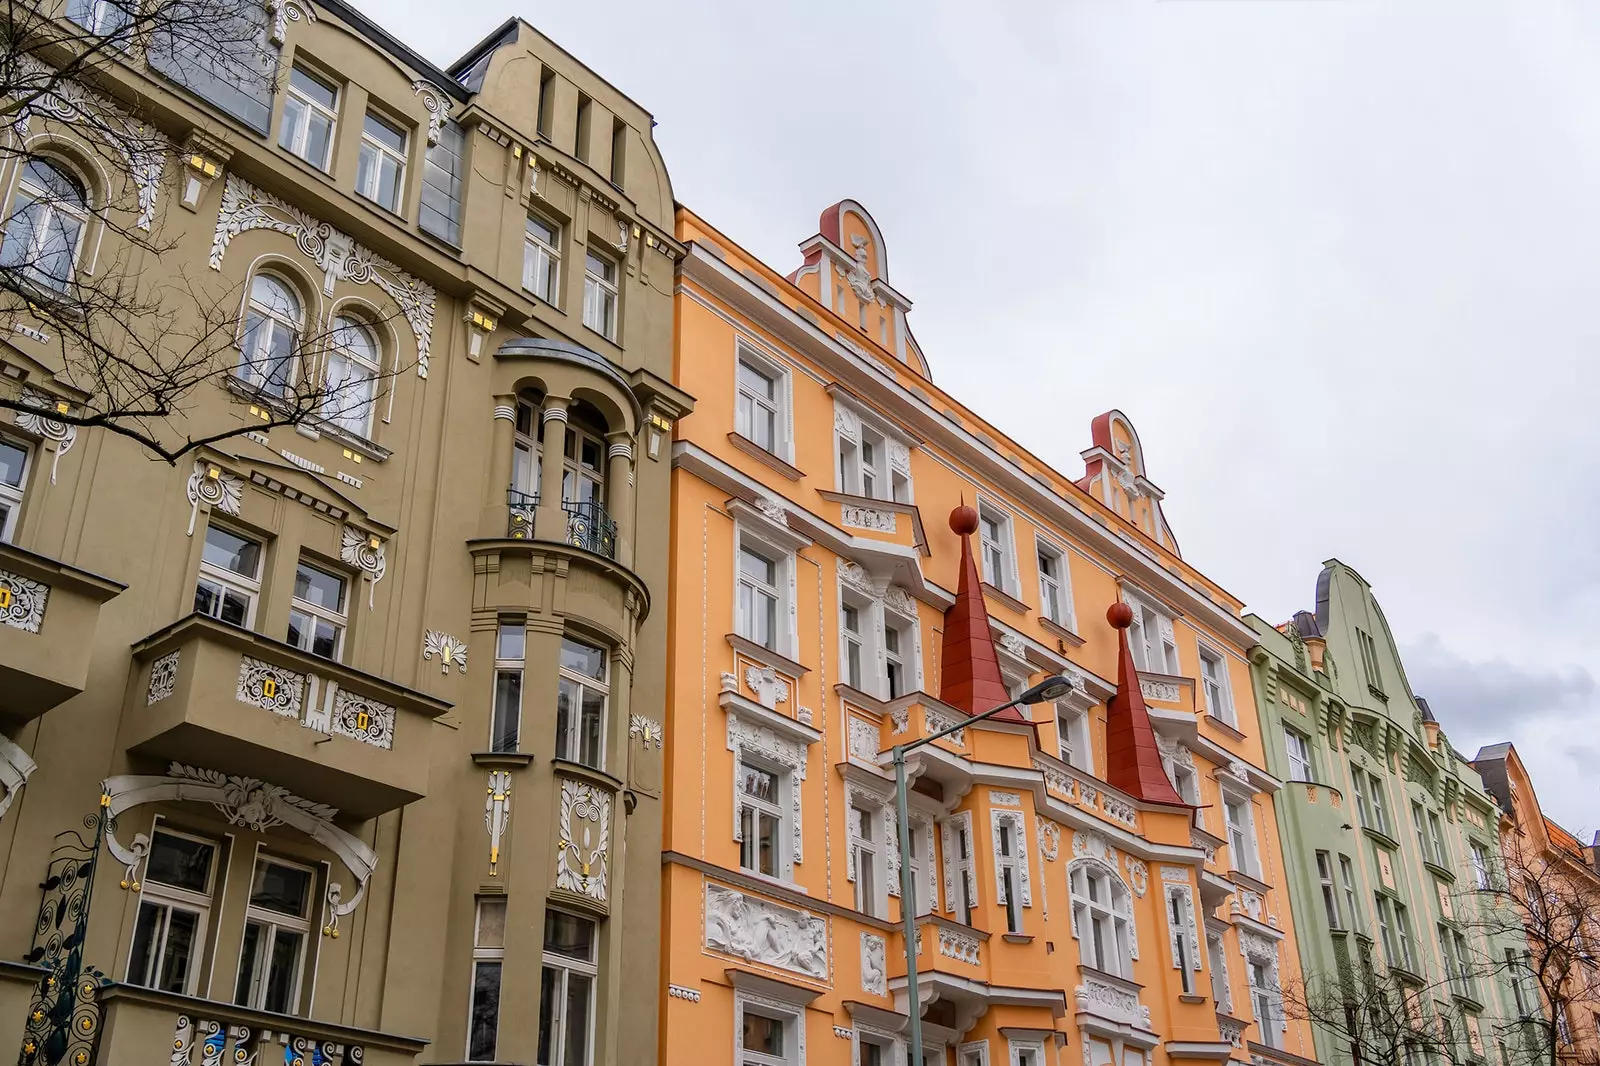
[{"x": 858, "y": 561}]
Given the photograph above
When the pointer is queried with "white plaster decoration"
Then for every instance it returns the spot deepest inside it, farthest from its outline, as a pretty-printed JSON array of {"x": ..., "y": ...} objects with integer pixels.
[
  {"x": 283, "y": 12},
  {"x": 245, "y": 207},
  {"x": 363, "y": 719},
  {"x": 41, "y": 422},
  {"x": 689, "y": 995},
  {"x": 728, "y": 682},
  {"x": 30, "y": 332},
  {"x": 857, "y": 517},
  {"x": 1014, "y": 819},
  {"x": 437, "y": 103},
  {"x": 1184, "y": 897},
  {"x": 770, "y": 689},
  {"x": 1240, "y": 772},
  {"x": 366, "y": 553},
  {"x": 16, "y": 766},
  {"x": 756, "y": 739},
  {"x": 224, "y": 492},
  {"x": 1138, "y": 874},
  {"x": 900, "y": 720},
  {"x": 891, "y": 849},
  {"x": 143, "y": 149},
  {"x": 772, "y": 509},
  {"x": 505, "y": 412},
  {"x": 1093, "y": 846},
  {"x": 496, "y": 813},
  {"x": 302, "y": 462},
  {"x": 1257, "y": 948},
  {"x": 622, "y": 236},
  {"x": 1162, "y": 691},
  {"x": 900, "y": 457},
  {"x": 272, "y": 688},
  {"x": 1004, "y": 799},
  {"x": 585, "y": 839},
  {"x": 1056, "y": 779},
  {"x": 648, "y": 730},
  {"x": 1110, "y": 1001},
  {"x": 804, "y": 715},
  {"x": 1175, "y": 751},
  {"x": 1013, "y": 644},
  {"x": 452, "y": 651},
  {"x": 22, "y": 601},
  {"x": 1119, "y": 810},
  {"x": 1049, "y": 839},
  {"x": 1250, "y": 903},
  {"x": 953, "y": 866},
  {"x": 874, "y": 968},
  {"x": 846, "y": 423},
  {"x": 758, "y": 930},
  {"x": 1232, "y": 1031},
  {"x": 1174, "y": 875},
  {"x": 859, "y": 277},
  {"x": 163, "y": 678},
  {"x": 959, "y": 945},
  {"x": 863, "y": 739},
  {"x": 857, "y": 578},
  {"x": 900, "y": 602},
  {"x": 844, "y": 1034},
  {"x": 937, "y": 721}
]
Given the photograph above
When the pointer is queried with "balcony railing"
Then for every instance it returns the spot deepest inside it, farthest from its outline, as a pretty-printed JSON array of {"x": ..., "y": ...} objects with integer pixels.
[
  {"x": 520, "y": 507},
  {"x": 590, "y": 528}
]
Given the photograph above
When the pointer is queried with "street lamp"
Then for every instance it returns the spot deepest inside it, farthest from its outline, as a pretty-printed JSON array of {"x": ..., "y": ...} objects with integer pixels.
[{"x": 1047, "y": 691}]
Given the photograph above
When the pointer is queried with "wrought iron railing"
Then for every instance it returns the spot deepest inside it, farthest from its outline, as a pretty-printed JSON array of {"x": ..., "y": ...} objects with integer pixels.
[
  {"x": 520, "y": 507},
  {"x": 220, "y": 1042},
  {"x": 589, "y": 527}
]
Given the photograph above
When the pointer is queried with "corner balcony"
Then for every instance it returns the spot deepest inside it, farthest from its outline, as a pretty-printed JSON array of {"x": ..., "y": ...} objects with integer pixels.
[
  {"x": 48, "y": 615},
  {"x": 586, "y": 524},
  {"x": 208, "y": 694}
]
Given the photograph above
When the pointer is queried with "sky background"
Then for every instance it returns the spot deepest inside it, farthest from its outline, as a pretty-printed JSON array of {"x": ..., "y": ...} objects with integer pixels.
[{"x": 1337, "y": 259}]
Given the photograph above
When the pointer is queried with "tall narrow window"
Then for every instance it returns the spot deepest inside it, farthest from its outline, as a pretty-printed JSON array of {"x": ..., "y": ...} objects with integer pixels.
[
  {"x": 1391, "y": 944},
  {"x": 272, "y": 327},
  {"x": 1151, "y": 640},
  {"x": 958, "y": 865},
  {"x": 1515, "y": 973},
  {"x": 547, "y": 101},
  {"x": 45, "y": 227},
  {"x": 1402, "y": 930},
  {"x": 1299, "y": 750},
  {"x": 276, "y": 928},
  {"x": 510, "y": 653},
  {"x": 230, "y": 577},
  {"x": 994, "y": 536},
  {"x": 488, "y": 953},
  {"x": 759, "y": 416},
  {"x": 585, "y": 109},
  {"x": 619, "y": 149},
  {"x": 1217, "y": 951},
  {"x": 310, "y": 109},
  {"x": 758, "y": 598},
  {"x": 583, "y": 466},
  {"x": 1052, "y": 587},
  {"x": 169, "y": 934},
  {"x": 600, "y": 295},
  {"x": 541, "y": 259},
  {"x": 316, "y": 614},
  {"x": 1101, "y": 911},
  {"x": 1380, "y": 817},
  {"x": 381, "y": 169},
  {"x": 1369, "y": 660},
  {"x": 850, "y": 623},
  {"x": 1436, "y": 846},
  {"x": 1214, "y": 678},
  {"x": 917, "y": 835},
  {"x": 1330, "y": 897},
  {"x": 1178, "y": 921},
  {"x": 581, "y": 704},
  {"x": 1072, "y": 738},
  {"x": 1422, "y": 836},
  {"x": 1480, "y": 866},
  {"x": 566, "y": 990},
  {"x": 1241, "y": 835},
  {"x": 1347, "y": 883},
  {"x": 13, "y": 478},
  {"x": 866, "y": 846},
  {"x": 896, "y": 649},
  {"x": 1007, "y": 858},
  {"x": 1262, "y": 1001},
  {"x": 760, "y": 819},
  {"x": 354, "y": 363}
]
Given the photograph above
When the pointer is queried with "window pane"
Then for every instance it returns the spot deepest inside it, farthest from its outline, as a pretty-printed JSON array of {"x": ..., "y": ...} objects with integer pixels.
[
  {"x": 279, "y": 990},
  {"x": 180, "y": 862},
  {"x": 249, "y": 959},
  {"x": 594, "y": 704},
  {"x": 755, "y": 566},
  {"x": 12, "y": 461},
  {"x": 507, "y": 710},
  {"x": 576, "y": 1049},
  {"x": 567, "y": 934},
  {"x": 486, "y": 1013},
  {"x": 762, "y": 1034},
  {"x": 280, "y": 888},
  {"x": 146, "y": 931},
  {"x": 549, "y": 990},
  {"x": 491, "y": 932},
  {"x": 384, "y": 134},
  {"x": 312, "y": 88},
  {"x": 319, "y": 133},
  {"x": 232, "y": 552},
  {"x": 583, "y": 659},
  {"x": 182, "y": 929},
  {"x": 754, "y": 381},
  {"x": 600, "y": 268},
  {"x": 320, "y": 588},
  {"x": 512, "y": 643},
  {"x": 543, "y": 232}
]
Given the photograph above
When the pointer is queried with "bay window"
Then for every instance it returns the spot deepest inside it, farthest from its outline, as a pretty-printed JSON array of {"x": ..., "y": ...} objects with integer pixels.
[
  {"x": 581, "y": 704},
  {"x": 230, "y": 577},
  {"x": 566, "y": 990},
  {"x": 317, "y": 612}
]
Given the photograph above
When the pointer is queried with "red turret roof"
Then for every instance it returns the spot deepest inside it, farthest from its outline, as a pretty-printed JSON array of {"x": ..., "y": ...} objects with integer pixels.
[
  {"x": 1133, "y": 762},
  {"x": 969, "y": 669}
]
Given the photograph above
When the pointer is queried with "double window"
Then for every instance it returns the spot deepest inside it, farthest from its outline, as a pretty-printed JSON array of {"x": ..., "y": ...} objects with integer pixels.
[
  {"x": 169, "y": 934},
  {"x": 1151, "y": 640},
  {"x": 45, "y": 228},
  {"x": 510, "y": 652},
  {"x": 310, "y": 110},
  {"x": 381, "y": 170},
  {"x": 1330, "y": 895},
  {"x": 581, "y": 704},
  {"x": 566, "y": 990},
  {"x": 541, "y": 259},
  {"x": 1100, "y": 914},
  {"x": 277, "y": 926},
  {"x": 13, "y": 479},
  {"x": 1299, "y": 750},
  {"x": 761, "y": 410},
  {"x": 759, "y": 597},
  {"x": 1264, "y": 1001},
  {"x": 1055, "y": 590},
  {"x": 488, "y": 954},
  {"x": 1241, "y": 835},
  {"x": 1481, "y": 876},
  {"x": 994, "y": 540},
  {"x": 760, "y": 819},
  {"x": 1430, "y": 835},
  {"x": 272, "y": 324},
  {"x": 865, "y": 823},
  {"x": 600, "y": 295},
  {"x": 230, "y": 577},
  {"x": 1369, "y": 800},
  {"x": 355, "y": 360},
  {"x": 316, "y": 614},
  {"x": 1214, "y": 680},
  {"x": 1395, "y": 931},
  {"x": 1453, "y": 946},
  {"x": 865, "y": 470}
]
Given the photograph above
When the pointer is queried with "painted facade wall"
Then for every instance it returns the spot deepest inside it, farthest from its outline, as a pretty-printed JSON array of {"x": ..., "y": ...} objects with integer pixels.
[{"x": 820, "y": 443}]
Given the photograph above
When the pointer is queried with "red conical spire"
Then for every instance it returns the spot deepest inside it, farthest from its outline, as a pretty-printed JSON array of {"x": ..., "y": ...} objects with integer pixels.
[
  {"x": 1133, "y": 763},
  {"x": 969, "y": 671}
]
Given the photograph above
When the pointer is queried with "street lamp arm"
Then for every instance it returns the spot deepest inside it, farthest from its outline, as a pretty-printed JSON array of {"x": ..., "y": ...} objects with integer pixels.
[{"x": 1051, "y": 688}]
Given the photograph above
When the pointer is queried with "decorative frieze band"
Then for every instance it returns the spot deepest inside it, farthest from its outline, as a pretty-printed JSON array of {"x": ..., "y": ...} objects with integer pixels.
[
  {"x": 22, "y": 601},
  {"x": 758, "y": 930}
]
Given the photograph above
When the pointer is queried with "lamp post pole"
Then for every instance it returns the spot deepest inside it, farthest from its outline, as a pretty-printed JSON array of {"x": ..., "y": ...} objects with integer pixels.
[{"x": 1051, "y": 688}]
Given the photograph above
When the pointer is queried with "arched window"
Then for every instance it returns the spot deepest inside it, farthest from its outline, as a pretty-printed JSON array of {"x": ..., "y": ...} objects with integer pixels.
[
  {"x": 45, "y": 228},
  {"x": 1101, "y": 917},
  {"x": 355, "y": 360},
  {"x": 271, "y": 330}
]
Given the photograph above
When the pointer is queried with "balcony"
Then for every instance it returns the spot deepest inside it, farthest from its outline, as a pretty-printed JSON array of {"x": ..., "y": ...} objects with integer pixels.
[
  {"x": 48, "y": 615},
  {"x": 208, "y": 694},
  {"x": 587, "y": 524},
  {"x": 141, "y": 1025},
  {"x": 1168, "y": 691},
  {"x": 520, "y": 508}
]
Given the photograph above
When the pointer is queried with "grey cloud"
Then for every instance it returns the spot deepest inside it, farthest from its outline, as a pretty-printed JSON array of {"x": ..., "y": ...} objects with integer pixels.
[{"x": 1491, "y": 698}]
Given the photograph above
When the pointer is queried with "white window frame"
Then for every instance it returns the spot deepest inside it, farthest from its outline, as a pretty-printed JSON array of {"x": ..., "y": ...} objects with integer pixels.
[
  {"x": 1297, "y": 746},
  {"x": 225, "y": 580},
  {"x": 50, "y": 204},
  {"x": 878, "y": 478},
  {"x": 908, "y": 655},
  {"x": 338, "y": 411},
  {"x": 783, "y": 587},
  {"x": 536, "y": 251},
  {"x": 299, "y": 136},
  {"x": 601, "y": 302},
  {"x": 381, "y": 153},
  {"x": 1074, "y": 737},
  {"x": 999, "y": 549},
  {"x": 891, "y": 1049},
  {"x": 925, "y": 885},
  {"x": 1055, "y": 592},
  {"x": 570, "y": 747},
  {"x": 1151, "y": 637},
  {"x": 1183, "y": 940},
  {"x": 1266, "y": 998},
  {"x": 339, "y": 620},
  {"x": 1330, "y": 889},
  {"x": 258, "y": 367},
  {"x": 1217, "y": 958},
  {"x": 1482, "y": 871},
  {"x": 1025, "y": 1052},
  {"x": 11, "y": 495},
  {"x": 779, "y": 404},
  {"x": 486, "y": 955},
  {"x": 960, "y": 867},
  {"x": 1438, "y": 850},
  {"x": 790, "y": 1016},
  {"x": 853, "y": 650},
  {"x": 1116, "y": 946},
  {"x": 569, "y": 966},
  {"x": 1245, "y": 853},
  {"x": 1012, "y": 888},
  {"x": 174, "y": 898},
  {"x": 506, "y": 664},
  {"x": 271, "y": 921},
  {"x": 776, "y": 809},
  {"x": 1402, "y": 924},
  {"x": 1352, "y": 899},
  {"x": 1217, "y": 685},
  {"x": 869, "y": 854}
]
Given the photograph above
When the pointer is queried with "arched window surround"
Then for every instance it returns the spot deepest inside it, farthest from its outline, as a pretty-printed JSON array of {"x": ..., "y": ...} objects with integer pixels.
[{"x": 1103, "y": 925}]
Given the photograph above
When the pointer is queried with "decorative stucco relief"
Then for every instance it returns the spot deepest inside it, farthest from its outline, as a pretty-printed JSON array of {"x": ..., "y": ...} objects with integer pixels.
[{"x": 757, "y": 930}]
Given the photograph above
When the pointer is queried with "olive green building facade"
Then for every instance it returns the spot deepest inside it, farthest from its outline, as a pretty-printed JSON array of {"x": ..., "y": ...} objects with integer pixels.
[
  {"x": 367, "y": 710},
  {"x": 1389, "y": 836}
]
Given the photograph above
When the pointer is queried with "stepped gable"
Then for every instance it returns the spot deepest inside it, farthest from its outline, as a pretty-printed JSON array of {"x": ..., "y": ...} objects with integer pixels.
[
  {"x": 1133, "y": 763},
  {"x": 969, "y": 670}
]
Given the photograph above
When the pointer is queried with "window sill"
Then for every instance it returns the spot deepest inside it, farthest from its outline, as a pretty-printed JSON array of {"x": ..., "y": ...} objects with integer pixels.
[
  {"x": 1186, "y": 998},
  {"x": 767, "y": 657},
  {"x": 1222, "y": 726},
  {"x": 1468, "y": 1001},
  {"x": 1061, "y": 632},
  {"x": 588, "y": 773},
  {"x": 1406, "y": 974},
  {"x": 1245, "y": 879},
  {"x": 1016, "y": 938},
  {"x": 1006, "y": 598},
  {"x": 1381, "y": 837},
  {"x": 757, "y": 452},
  {"x": 310, "y": 424},
  {"x": 1443, "y": 873},
  {"x": 508, "y": 760}
]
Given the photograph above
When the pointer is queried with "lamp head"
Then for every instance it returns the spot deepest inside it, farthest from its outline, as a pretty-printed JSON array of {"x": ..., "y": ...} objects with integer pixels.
[{"x": 1047, "y": 691}]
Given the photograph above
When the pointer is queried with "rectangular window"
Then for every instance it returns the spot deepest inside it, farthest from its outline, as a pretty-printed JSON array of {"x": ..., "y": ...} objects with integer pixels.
[
  {"x": 899, "y": 646},
  {"x": 1221, "y": 995},
  {"x": 1480, "y": 866},
  {"x": 442, "y": 168},
  {"x": 1054, "y": 591},
  {"x": 1515, "y": 972},
  {"x": 1347, "y": 882},
  {"x": 1330, "y": 896},
  {"x": 919, "y": 833},
  {"x": 760, "y": 819},
  {"x": 1178, "y": 922},
  {"x": 541, "y": 259},
  {"x": 581, "y": 704},
  {"x": 1402, "y": 930},
  {"x": 381, "y": 169},
  {"x": 488, "y": 953},
  {"x": 758, "y": 598},
  {"x": 1436, "y": 845},
  {"x": 994, "y": 530},
  {"x": 1005, "y": 848},
  {"x": 277, "y": 926},
  {"x": 13, "y": 478},
  {"x": 510, "y": 652},
  {"x": 566, "y": 990},
  {"x": 1262, "y": 1001},
  {"x": 169, "y": 934},
  {"x": 310, "y": 109},
  {"x": 316, "y": 614},
  {"x": 764, "y": 1040},
  {"x": 1214, "y": 678},
  {"x": 230, "y": 577},
  {"x": 866, "y": 836},
  {"x": 1241, "y": 835},
  {"x": 1369, "y": 660},
  {"x": 581, "y": 147},
  {"x": 1150, "y": 638},
  {"x": 1100, "y": 913},
  {"x": 1369, "y": 800},
  {"x": 1072, "y": 739},
  {"x": 850, "y": 621},
  {"x": 760, "y": 412},
  {"x": 600, "y": 295},
  {"x": 960, "y": 842},
  {"x": 547, "y": 100},
  {"x": 1422, "y": 836},
  {"x": 619, "y": 148},
  {"x": 1299, "y": 749}
]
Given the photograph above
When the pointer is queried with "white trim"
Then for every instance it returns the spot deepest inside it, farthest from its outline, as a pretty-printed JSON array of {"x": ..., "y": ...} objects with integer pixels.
[{"x": 780, "y": 404}]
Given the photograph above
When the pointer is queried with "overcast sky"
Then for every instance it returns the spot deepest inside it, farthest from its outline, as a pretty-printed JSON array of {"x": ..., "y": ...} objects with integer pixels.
[{"x": 1337, "y": 259}]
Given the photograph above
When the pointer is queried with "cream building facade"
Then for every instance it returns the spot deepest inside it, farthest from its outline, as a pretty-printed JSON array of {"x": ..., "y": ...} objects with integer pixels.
[{"x": 343, "y": 740}]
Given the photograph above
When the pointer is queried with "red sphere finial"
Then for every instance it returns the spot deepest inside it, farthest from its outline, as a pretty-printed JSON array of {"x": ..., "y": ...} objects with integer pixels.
[
  {"x": 1120, "y": 615},
  {"x": 964, "y": 521}
]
